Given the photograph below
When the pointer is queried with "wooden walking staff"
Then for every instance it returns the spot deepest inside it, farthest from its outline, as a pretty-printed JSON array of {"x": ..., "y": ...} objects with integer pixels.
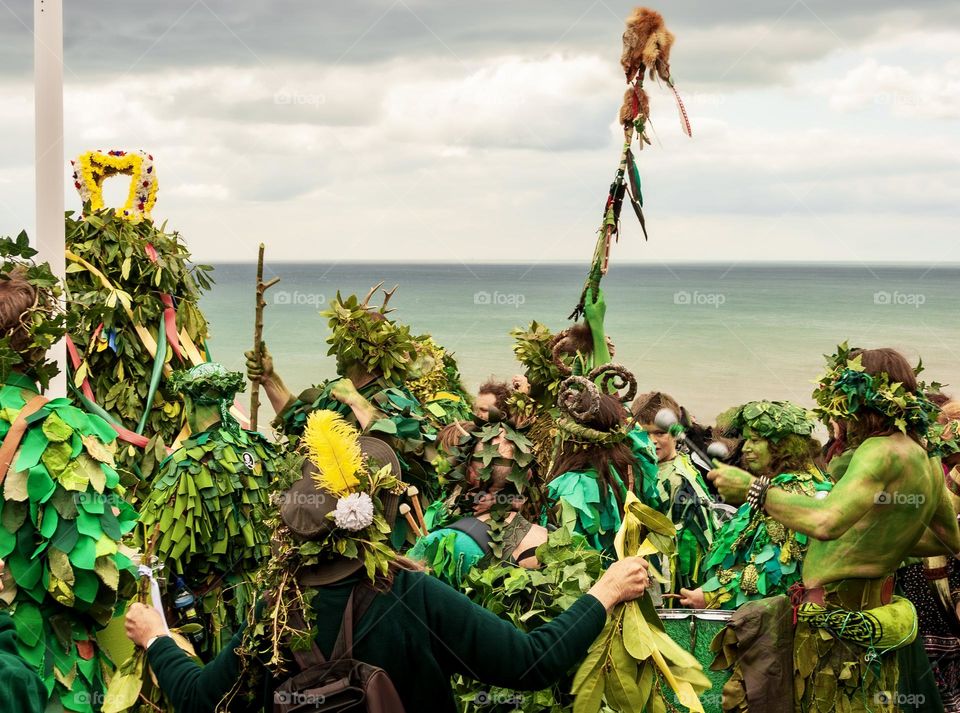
[{"x": 262, "y": 287}]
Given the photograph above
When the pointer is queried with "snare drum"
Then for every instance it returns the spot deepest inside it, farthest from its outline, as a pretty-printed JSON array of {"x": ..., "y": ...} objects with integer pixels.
[{"x": 694, "y": 629}]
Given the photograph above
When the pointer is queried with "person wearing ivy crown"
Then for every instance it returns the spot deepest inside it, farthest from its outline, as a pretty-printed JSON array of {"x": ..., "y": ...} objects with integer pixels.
[
  {"x": 390, "y": 384},
  {"x": 332, "y": 557},
  {"x": 490, "y": 512},
  {"x": 753, "y": 555},
  {"x": 207, "y": 503},
  {"x": 840, "y": 631},
  {"x": 62, "y": 509},
  {"x": 677, "y": 490}
]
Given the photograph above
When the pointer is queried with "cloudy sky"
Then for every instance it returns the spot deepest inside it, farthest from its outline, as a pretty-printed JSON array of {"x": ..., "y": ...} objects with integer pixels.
[{"x": 448, "y": 130}]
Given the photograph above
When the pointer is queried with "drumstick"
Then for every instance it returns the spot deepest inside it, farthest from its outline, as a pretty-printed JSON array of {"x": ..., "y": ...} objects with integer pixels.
[
  {"x": 414, "y": 495},
  {"x": 405, "y": 511}
]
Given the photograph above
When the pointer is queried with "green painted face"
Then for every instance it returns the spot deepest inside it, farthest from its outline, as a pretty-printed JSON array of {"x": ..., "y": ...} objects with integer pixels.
[{"x": 756, "y": 454}]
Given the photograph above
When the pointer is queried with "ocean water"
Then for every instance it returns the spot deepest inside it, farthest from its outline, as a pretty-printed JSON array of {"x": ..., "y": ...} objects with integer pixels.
[{"x": 712, "y": 335}]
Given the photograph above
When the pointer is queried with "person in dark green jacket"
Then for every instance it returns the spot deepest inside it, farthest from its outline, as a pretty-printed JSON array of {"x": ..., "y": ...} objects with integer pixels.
[
  {"x": 330, "y": 537},
  {"x": 23, "y": 691},
  {"x": 420, "y": 632}
]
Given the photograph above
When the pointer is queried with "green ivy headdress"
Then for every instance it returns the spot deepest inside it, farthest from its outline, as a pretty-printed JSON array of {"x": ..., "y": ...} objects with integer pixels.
[
  {"x": 772, "y": 420},
  {"x": 533, "y": 348},
  {"x": 363, "y": 335},
  {"x": 210, "y": 384},
  {"x": 43, "y": 324},
  {"x": 845, "y": 390}
]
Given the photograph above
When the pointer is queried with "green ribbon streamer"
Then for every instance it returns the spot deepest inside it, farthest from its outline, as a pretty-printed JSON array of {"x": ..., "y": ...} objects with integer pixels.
[{"x": 158, "y": 361}]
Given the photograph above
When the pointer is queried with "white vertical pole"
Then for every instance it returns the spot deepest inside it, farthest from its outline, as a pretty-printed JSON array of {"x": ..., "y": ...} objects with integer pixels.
[{"x": 48, "y": 148}]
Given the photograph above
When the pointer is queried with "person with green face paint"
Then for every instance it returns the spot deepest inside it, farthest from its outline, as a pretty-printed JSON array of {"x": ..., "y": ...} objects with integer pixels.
[
  {"x": 754, "y": 556},
  {"x": 676, "y": 489},
  {"x": 890, "y": 503},
  {"x": 207, "y": 502}
]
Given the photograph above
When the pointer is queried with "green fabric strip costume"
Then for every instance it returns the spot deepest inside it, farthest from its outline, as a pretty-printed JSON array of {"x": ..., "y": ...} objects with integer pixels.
[
  {"x": 754, "y": 556},
  {"x": 209, "y": 498},
  {"x": 63, "y": 516},
  {"x": 679, "y": 492},
  {"x": 597, "y": 514}
]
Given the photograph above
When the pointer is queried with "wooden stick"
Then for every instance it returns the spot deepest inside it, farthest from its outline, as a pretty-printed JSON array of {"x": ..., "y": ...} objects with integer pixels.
[
  {"x": 414, "y": 495},
  {"x": 258, "y": 336},
  {"x": 405, "y": 511}
]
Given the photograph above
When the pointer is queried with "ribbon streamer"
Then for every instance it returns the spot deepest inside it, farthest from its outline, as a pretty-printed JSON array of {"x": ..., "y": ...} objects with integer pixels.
[{"x": 147, "y": 571}]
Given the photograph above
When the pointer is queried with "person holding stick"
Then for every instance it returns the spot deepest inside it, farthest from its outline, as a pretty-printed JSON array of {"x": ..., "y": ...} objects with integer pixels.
[{"x": 330, "y": 549}]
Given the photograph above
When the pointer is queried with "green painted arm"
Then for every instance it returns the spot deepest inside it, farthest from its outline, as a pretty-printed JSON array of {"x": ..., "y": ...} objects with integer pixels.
[
  {"x": 594, "y": 312},
  {"x": 871, "y": 468}
]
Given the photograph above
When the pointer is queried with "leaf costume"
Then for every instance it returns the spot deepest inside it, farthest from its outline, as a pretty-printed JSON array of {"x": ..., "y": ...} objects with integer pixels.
[
  {"x": 63, "y": 517},
  {"x": 754, "y": 556},
  {"x": 135, "y": 305},
  {"x": 843, "y": 651},
  {"x": 678, "y": 491},
  {"x": 488, "y": 452},
  {"x": 209, "y": 499},
  {"x": 597, "y": 513}
]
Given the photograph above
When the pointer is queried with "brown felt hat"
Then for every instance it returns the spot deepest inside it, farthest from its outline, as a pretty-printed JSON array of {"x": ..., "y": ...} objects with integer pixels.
[{"x": 304, "y": 509}]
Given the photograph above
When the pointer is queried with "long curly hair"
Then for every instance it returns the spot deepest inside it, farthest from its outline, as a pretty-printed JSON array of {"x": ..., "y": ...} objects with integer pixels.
[{"x": 574, "y": 455}]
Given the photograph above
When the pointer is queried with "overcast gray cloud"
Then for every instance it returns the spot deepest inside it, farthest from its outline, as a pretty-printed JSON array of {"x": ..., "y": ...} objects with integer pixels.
[{"x": 430, "y": 129}]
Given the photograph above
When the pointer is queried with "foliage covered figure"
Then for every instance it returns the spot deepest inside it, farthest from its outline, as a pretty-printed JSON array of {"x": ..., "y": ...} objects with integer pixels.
[
  {"x": 209, "y": 499},
  {"x": 134, "y": 300},
  {"x": 62, "y": 512},
  {"x": 754, "y": 556}
]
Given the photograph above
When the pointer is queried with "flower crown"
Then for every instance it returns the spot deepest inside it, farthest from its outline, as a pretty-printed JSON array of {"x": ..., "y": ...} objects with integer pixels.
[
  {"x": 845, "y": 390},
  {"x": 773, "y": 420},
  {"x": 43, "y": 324}
]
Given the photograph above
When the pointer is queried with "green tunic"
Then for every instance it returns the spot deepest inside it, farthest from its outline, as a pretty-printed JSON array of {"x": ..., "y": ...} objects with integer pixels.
[
  {"x": 63, "y": 516},
  {"x": 753, "y": 555},
  {"x": 598, "y": 514},
  {"x": 679, "y": 492},
  {"x": 209, "y": 498},
  {"x": 421, "y": 633}
]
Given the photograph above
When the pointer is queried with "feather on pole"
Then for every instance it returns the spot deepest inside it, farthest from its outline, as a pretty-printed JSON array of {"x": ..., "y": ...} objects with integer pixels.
[{"x": 331, "y": 444}]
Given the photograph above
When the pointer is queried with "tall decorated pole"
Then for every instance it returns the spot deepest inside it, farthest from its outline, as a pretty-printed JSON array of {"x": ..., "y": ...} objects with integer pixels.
[
  {"x": 646, "y": 51},
  {"x": 49, "y": 157}
]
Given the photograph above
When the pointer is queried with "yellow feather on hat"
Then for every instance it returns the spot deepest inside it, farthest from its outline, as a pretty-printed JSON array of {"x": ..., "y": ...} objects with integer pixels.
[{"x": 332, "y": 445}]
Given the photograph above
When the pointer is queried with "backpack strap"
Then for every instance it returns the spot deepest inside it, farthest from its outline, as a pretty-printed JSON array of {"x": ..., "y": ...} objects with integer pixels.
[
  {"x": 360, "y": 600},
  {"x": 313, "y": 657},
  {"x": 476, "y": 530}
]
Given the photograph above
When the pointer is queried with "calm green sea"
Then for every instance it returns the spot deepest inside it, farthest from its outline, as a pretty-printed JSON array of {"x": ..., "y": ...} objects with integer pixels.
[{"x": 712, "y": 335}]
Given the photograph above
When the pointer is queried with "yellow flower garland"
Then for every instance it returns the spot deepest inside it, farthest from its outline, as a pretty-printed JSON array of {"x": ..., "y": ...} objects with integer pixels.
[{"x": 90, "y": 169}]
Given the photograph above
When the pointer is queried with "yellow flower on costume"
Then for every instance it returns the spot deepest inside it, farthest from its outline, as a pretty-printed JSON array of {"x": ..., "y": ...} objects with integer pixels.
[{"x": 90, "y": 169}]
